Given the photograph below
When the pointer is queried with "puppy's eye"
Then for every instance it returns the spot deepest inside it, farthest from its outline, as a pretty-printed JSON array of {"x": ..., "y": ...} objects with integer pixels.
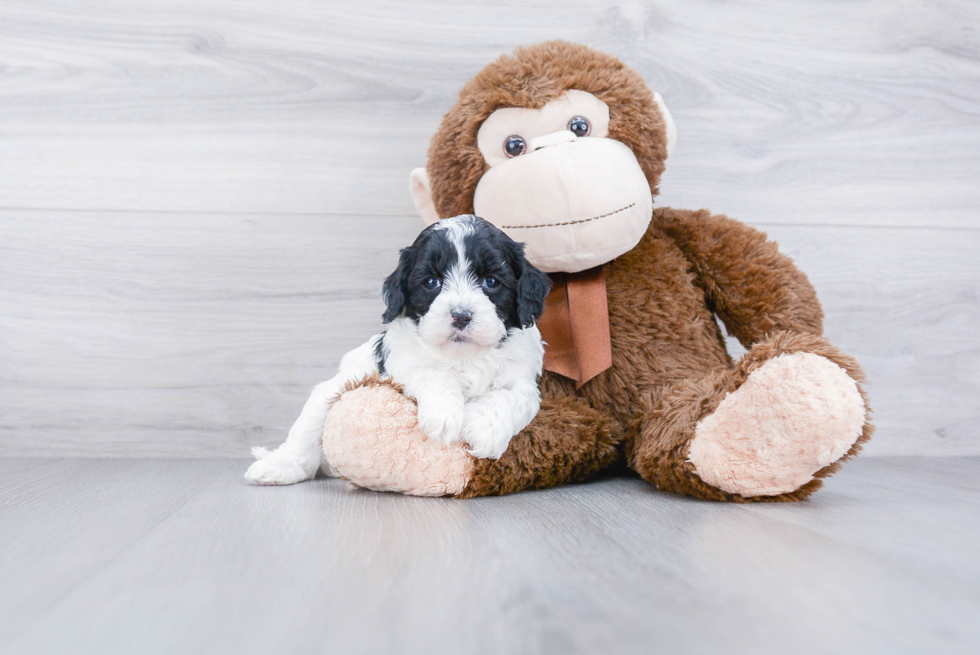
[
  {"x": 432, "y": 283},
  {"x": 515, "y": 145},
  {"x": 490, "y": 283},
  {"x": 580, "y": 125}
]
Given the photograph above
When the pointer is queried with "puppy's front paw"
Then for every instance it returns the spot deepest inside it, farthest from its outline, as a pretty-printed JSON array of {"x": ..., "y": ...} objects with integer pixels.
[
  {"x": 484, "y": 432},
  {"x": 279, "y": 469},
  {"x": 440, "y": 419}
]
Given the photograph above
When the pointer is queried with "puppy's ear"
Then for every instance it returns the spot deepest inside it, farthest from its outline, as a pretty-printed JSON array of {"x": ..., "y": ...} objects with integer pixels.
[
  {"x": 393, "y": 291},
  {"x": 533, "y": 287}
]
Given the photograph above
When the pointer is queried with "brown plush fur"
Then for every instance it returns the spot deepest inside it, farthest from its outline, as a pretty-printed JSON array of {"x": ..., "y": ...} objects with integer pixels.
[
  {"x": 567, "y": 442},
  {"x": 670, "y": 367}
]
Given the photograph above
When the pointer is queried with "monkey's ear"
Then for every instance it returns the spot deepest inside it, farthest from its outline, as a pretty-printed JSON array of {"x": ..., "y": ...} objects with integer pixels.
[
  {"x": 418, "y": 185},
  {"x": 393, "y": 289},
  {"x": 668, "y": 119}
]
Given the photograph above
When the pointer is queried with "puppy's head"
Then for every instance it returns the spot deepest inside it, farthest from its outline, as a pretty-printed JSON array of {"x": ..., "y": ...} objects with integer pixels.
[{"x": 464, "y": 281}]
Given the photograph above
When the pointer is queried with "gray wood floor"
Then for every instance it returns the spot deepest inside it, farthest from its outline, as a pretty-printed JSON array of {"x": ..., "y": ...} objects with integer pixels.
[{"x": 181, "y": 556}]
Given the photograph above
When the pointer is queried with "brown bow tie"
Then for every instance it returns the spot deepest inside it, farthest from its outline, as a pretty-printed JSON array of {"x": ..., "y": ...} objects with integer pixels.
[{"x": 575, "y": 326}]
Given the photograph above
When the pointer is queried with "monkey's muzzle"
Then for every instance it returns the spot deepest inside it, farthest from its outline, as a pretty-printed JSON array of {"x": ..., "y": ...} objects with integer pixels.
[{"x": 575, "y": 202}]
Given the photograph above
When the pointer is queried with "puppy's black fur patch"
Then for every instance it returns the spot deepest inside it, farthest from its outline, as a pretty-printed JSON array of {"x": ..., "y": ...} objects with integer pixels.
[
  {"x": 403, "y": 292},
  {"x": 379, "y": 353}
]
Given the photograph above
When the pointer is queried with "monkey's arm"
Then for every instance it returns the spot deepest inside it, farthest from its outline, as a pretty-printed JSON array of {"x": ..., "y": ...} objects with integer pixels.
[
  {"x": 753, "y": 288},
  {"x": 372, "y": 438},
  {"x": 567, "y": 441}
]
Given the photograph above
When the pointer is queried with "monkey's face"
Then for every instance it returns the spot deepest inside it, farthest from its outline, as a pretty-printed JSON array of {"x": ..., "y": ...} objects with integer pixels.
[
  {"x": 560, "y": 146},
  {"x": 558, "y": 183}
]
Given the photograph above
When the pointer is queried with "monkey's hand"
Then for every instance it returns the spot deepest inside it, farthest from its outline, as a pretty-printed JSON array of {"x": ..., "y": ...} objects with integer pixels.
[{"x": 372, "y": 438}]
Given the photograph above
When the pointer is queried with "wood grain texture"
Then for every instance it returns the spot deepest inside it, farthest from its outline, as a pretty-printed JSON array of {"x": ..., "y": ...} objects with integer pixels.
[
  {"x": 200, "y": 335},
  {"x": 805, "y": 112},
  {"x": 68, "y": 519},
  {"x": 186, "y": 335},
  {"x": 884, "y": 560},
  {"x": 198, "y": 200},
  {"x": 906, "y": 304}
]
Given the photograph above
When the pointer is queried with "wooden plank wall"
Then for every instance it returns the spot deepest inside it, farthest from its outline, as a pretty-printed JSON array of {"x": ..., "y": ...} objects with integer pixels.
[{"x": 199, "y": 198}]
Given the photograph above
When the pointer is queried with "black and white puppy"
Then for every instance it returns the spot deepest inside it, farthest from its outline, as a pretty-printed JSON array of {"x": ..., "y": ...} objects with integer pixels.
[{"x": 461, "y": 339}]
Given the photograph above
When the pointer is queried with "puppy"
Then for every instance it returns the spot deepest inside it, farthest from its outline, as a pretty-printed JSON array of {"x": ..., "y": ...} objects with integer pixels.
[{"x": 461, "y": 339}]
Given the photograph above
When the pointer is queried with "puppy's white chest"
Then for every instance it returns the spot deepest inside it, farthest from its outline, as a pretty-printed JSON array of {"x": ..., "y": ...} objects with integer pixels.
[{"x": 476, "y": 377}]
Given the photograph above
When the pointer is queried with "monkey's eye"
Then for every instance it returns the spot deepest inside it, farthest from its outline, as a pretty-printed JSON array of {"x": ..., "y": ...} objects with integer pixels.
[
  {"x": 432, "y": 283},
  {"x": 515, "y": 145},
  {"x": 580, "y": 125},
  {"x": 490, "y": 282}
]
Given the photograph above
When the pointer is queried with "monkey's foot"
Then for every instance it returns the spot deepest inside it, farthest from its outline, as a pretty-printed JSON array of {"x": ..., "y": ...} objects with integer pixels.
[{"x": 793, "y": 416}]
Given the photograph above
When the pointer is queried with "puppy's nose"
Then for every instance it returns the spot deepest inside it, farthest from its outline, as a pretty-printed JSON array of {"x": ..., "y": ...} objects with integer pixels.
[{"x": 461, "y": 318}]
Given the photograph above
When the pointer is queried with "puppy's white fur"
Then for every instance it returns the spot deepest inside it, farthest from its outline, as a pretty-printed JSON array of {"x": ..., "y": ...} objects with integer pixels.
[{"x": 477, "y": 385}]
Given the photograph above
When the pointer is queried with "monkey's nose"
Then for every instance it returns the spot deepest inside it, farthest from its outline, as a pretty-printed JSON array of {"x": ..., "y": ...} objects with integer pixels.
[
  {"x": 552, "y": 139},
  {"x": 461, "y": 318}
]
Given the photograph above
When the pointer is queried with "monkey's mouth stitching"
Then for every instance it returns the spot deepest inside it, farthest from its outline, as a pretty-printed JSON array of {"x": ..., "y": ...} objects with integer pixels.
[{"x": 583, "y": 220}]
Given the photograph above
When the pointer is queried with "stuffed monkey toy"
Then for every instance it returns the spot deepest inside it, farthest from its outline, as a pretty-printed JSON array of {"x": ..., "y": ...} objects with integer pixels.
[{"x": 562, "y": 147}]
